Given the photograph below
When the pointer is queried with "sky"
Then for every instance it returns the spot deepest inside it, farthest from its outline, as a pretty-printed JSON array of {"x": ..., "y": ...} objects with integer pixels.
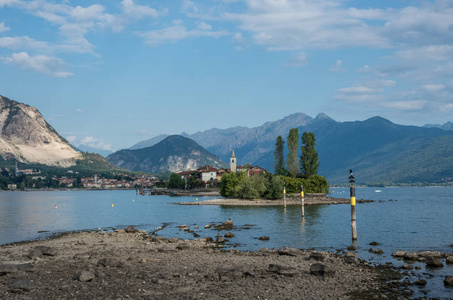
[{"x": 108, "y": 74}]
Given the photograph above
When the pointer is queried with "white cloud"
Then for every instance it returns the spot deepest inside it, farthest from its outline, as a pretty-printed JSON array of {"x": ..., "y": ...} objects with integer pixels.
[
  {"x": 337, "y": 67},
  {"x": 406, "y": 105},
  {"x": 204, "y": 26},
  {"x": 94, "y": 143},
  {"x": 239, "y": 41},
  {"x": 71, "y": 138},
  {"x": 433, "y": 87},
  {"x": 176, "y": 33},
  {"x": 23, "y": 42},
  {"x": 40, "y": 63},
  {"x": 3, "y": 28},
  {"x": 299, "y": 60}
]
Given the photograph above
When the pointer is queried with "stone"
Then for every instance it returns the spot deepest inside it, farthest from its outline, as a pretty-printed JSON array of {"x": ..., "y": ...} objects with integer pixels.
[
  {"x": 290, "y": 251},
  {"x": 352, "y": 248},
  {"x": 187, "y": 228},
  {"x": 207, "y": 226},
  {"x": 167, "y": 250},
  {"x": 449, "y": 260},
  {"x": 183, "y": 246},
  {"x": 48, "y": 251},
  {"x": 430, "y": 253},
  {"x": 433, "y": 262},
  {"x": 378, "y": 251},
  {"x": 100, "y": 274},
  {"x": 264, "y": 238},
  {"x": 420, "y": 282},
  {"x": 410, "y": 255},
  {"x": 267, "y": 252},
  {"x": 351, "y": 260},
  {"x": 27, "y": 267},
  {"x": 182, "y": 226},
  {"x": 374, "y": 243},
  {"x": 131, "y": 229},
  {"x": 34, "y": 254},
  {"x": 85, "y": 276},
  {"x": 322, "y": 270},
  {"x": 108, "y": 262},
  {"x": 220, "y": 239},
  {"x": 228, "y": 223},
  {"x": 318, "y": 256},
  {"x": 173, "y": 240},
  {"x": 232, "y": 272},
  {"x": 229, "y": 235},
  {"x": 7, "y": 269},
  {"x": 408, "y": 267},
  {"x": 448, "y": 281},
  {"x": 398, "y": 253},
  {"x": 20, "y": 286},
  {"x": 283, "y": 270}
]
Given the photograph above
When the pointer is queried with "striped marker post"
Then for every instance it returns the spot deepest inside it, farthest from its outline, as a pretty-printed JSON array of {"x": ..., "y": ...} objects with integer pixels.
[
  {"x": 353, "y": 211},
  {"x": 302, "y": 200},
  {"x": 284, "y": 196}
]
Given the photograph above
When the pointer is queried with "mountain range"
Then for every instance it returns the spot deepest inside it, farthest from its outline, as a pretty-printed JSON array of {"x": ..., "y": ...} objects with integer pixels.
[
  {"x": 174, "y": 153},
  {"x": 378, "y": 150}
]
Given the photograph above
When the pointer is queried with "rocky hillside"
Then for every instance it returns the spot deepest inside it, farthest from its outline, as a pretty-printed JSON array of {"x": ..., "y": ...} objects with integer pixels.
[
  {"x": 28, "y": 138},
  {"x": 175, "y": 153}
]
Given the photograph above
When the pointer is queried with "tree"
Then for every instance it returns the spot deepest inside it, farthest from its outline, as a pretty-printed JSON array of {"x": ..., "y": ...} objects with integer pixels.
[
  {"x": 175, "y": 181},
  {"x": 309, "y": 158},
  {"x": 293, "y": 144},
  {"x": 279, "y": 163}
]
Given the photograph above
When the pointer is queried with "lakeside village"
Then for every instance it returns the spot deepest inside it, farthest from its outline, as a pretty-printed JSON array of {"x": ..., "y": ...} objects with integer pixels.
[{"x": 203, "y": 177}]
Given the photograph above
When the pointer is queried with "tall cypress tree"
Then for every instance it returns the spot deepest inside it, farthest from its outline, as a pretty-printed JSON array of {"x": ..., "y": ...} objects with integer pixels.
[
  {"x": 279, "y": 163},
  {"x": 309, "y": 158},
  {"x": 293, "y": 144}
]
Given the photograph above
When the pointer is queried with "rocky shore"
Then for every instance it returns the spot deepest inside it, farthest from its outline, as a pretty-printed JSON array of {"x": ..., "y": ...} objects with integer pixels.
[{"x": 133, "y": 264}]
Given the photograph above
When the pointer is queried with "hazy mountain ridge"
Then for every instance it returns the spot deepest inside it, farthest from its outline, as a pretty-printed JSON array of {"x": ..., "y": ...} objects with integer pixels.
[
  {"x": 175, "y": 153},
  {"x": 378, "y": 150},
  {"x": 446, "y": 126}
]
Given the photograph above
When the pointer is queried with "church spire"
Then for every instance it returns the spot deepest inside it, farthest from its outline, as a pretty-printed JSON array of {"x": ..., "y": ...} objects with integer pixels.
[
  {"x": 233, "y": 162},
  {"x": 232, "y": 154}
]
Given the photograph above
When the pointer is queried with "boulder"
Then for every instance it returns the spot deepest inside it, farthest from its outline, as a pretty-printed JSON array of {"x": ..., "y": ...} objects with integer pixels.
[
  {"x": 34, "y": 254},
  {"x": 229, "y": 235},
  {"x": 173, "y": 240},
  {"x": 322, "y": 270},
  {"x": 449, "y": 260},
  {"x": 228, "y": 223},
  {"x": 378, "y": 251},
  {"x": 84, "y": 276},
  {"x": 264, "y": 238},
  {"x": 232, "y": 272},
  {"x": 207, "y": 226},
  {"x": 433, "y": 262},
  {"x": 408, "y": 267},
  {"x": 448, "y": 281},
  {"x": 430, "y": 253},
  {"x": 220, "y": 239},
  {"x": 374, "y": 243},
  {"x": 410, "y": 255},
  {"x": 283, "y": 270},
  {"x": 27, "y": 267},
  {"x": 420, "y": 282},
  {"x": 290, "y": 251},
  {"x": 398, "y": 253},
  {"x": 267, "y": 252},
  {"x": 7, "y": 269},
  {"x": 131, "y": 229},
  {"x": 318, "y": 256},
  {"x": 20, "y": 286},
  {"x": 183, "y": 246},
  {"x": 48, "y": 251},
  {"x": 352, "y": 248},
  {"x": 108, "y": 262}
]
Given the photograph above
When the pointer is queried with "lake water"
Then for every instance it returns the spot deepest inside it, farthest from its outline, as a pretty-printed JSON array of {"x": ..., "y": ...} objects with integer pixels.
[{"x": 417, "y": 219}]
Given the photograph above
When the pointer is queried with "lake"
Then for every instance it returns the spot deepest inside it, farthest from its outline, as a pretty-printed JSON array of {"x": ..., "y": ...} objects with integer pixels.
[{"x": 416, "y": 219}]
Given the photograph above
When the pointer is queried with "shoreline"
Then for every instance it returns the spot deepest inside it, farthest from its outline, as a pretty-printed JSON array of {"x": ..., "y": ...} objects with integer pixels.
[
  {"x": 278, "y": 202},
  {"x": 132, "y": 263}
]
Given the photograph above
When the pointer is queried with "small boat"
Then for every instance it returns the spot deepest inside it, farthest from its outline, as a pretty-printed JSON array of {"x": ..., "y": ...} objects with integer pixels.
[{"x": 377, "y": 191}]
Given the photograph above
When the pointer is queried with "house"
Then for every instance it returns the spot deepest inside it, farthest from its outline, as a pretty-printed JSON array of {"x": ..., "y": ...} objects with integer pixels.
[{"x": 208, "y": 173}]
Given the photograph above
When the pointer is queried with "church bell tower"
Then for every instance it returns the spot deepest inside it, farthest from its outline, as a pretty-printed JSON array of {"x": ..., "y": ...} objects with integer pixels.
[{"x": 233, "y": 162}]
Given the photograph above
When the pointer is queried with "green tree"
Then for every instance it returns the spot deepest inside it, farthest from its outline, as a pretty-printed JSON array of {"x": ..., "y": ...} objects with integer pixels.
[
  {"x": 246, "y": 190},
  {"x": 293, "y": 144},
  {"x": 279, "y": 163},
  {"x": 175, "y": 181},
  {"x": 309, "y": 158},
  {"x": 316, "y": 184}
]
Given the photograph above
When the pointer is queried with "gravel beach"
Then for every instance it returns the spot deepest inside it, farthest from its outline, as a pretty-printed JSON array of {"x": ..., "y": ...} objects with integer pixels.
[{"x": 132, "y": 264}]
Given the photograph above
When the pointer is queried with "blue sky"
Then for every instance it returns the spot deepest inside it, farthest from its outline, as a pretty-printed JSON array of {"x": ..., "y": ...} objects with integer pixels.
[{"x": 110, "y": 73}]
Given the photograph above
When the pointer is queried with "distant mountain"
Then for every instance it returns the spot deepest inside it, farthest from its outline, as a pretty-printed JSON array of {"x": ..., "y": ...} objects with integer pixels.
[
  {"x": 446, "y": 126},
  {"x": 27, "y": 138},
  {"x": 378, "y": 150},
  {"x": 85, "y": 148},
  {"x": 175, "y": 153}
]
